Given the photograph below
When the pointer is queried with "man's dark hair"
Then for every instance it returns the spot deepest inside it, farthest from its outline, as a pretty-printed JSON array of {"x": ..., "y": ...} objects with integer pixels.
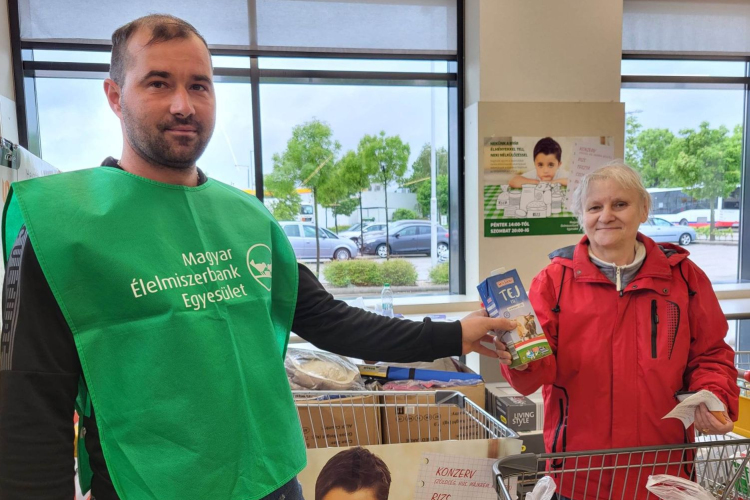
[
  {"x": 354, "y": 469},
  {"x": 548, "y": 146},
  {"x": 163, "y": 28}
]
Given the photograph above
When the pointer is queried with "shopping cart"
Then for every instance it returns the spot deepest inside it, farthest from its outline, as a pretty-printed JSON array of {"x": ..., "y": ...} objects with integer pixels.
[
  {"x": 358, "y": 418},
  {"x": 720, "y": 467},
  {"x": 718, "y": 463}
]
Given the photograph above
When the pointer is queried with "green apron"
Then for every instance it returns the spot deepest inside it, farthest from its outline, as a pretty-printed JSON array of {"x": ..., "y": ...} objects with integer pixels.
[{"x": 180, "y": 300}]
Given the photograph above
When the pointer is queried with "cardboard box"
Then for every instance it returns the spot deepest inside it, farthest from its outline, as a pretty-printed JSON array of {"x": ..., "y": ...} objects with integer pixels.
[
  {"x": 351, "y": 421},
  {"x": 498, "y": 406},
  {"x": 517, "y": 412},
  {"x": 411, "y": 418}
]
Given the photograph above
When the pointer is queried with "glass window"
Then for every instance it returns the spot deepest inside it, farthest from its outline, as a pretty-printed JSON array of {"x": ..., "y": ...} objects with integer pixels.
[
  {"x": 426, "y": 230},
  {"x": 661, "y": 222},
  {"x": 292, "y": 230},
  {"x": 650, "y": 67},
  {"x": 327, "y": 234},
  {"x": 309, "y": 232},
  {"x": 408, "y": 231},
  {"x": 345, "y": 118},
  {"x": 79, "y": 130},
  {"x": 686, "y": 141},
  {"x": 384, "y": 65}
]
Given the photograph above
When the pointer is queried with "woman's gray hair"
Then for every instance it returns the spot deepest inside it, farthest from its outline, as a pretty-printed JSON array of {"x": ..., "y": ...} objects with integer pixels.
[{"x": 616, "y": 171}]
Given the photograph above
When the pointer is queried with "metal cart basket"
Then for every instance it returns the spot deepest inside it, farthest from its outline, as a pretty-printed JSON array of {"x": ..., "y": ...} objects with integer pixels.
[
  {"x": 720, "y": 467},
  {"x": 717, "y": 463},
  {"x": 352, "y": 418}
]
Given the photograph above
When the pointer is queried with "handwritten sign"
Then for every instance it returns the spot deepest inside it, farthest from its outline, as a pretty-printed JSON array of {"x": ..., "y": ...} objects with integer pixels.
[
  {"x": 587, "y": 158},
  {"x": 451, "y": 477}
]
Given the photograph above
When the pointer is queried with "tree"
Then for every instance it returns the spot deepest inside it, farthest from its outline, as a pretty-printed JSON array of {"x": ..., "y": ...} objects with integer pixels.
[
  {"x": 654, "y": 163},
  {"x": 707, "y": 163},
  {"x": 308, "y": 152},
  {"x": 355, "y": 172},
  {"x": 282, "y": 188},
  {"x": 421, "y": 171},
  {"x": 632, "y": 129},
  {"x": 388, "y": 157},
  {"x": 344, "y": 207},
  {"x": 424, "y": 195},
  {"x": 404, "y": 214},
  {"x": 336, "y": 193}
]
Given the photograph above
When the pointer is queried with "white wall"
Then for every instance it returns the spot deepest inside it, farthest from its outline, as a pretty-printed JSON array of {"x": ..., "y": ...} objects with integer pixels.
[
  {"x": 543, "y": 50},
  {"x": 534, "y": 68},
  {"x": 6, "y": 68},
  {"x": 8, "y": 125}
]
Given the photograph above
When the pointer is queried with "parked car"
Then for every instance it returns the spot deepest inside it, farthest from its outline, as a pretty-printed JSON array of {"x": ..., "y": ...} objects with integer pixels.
[
  {"x": 726, "y": 217},
  {"x": 662, "y": 231},
  {"x": 409, "y": 237},
  {"x": 351, "y": 233},
  {"x": 392, "y": 226},
  {"x": 369, "y": 229},
  {"x": 354, "y": 232},
  {"x": 302, "y": 238}
]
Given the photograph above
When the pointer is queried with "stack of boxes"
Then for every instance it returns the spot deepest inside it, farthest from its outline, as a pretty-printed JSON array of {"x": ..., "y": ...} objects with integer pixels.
[{"x": 522, "y": 414}]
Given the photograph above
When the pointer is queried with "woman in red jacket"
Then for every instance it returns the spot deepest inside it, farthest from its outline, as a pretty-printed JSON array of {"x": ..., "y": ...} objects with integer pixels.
[{"x": 631, "y": 323}]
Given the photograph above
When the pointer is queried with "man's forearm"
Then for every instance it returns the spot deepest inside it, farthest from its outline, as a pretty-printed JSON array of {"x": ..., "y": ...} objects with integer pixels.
[{"x": 332, "y": 325}]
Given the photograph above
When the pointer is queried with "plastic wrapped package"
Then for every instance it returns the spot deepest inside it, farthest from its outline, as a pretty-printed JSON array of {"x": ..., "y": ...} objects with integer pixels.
[
  {"x": 442, "y": 364},
  {"x": 543, "y": 490},
  {"x": 422, "y": 385},
  {"x": 676, "y": 488},
  {"x": 321, "y": 371}
]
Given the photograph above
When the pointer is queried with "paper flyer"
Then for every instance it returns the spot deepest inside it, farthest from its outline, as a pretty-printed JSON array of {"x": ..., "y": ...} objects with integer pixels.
[
  {"x": 445, "y": 477},
  {"x": 685, "y": 411},
  {"x": 528, "y": 181},
  {"x": 400, "y": 471}
]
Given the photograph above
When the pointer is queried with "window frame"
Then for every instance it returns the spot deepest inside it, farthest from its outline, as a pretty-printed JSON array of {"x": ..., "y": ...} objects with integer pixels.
[
  {"x": 26, "y": 70},
  {"x": 743, "y": 274}
]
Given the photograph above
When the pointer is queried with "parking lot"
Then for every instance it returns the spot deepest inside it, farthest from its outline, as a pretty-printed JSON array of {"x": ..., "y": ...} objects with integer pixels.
[{"x": 718, "y": 260}]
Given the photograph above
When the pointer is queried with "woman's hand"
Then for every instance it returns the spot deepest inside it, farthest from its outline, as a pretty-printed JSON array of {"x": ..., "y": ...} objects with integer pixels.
[
  {"x": 706, "y": 423},
  {"x": 504, "y": 355}
]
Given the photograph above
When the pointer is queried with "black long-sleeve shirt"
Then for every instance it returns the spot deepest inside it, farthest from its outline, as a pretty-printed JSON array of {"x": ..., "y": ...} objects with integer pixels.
[{"x": 40, "y": 371}]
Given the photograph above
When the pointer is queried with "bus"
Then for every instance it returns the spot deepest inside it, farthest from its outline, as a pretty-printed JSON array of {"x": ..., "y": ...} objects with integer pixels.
[{"x": 678, "y": 207}]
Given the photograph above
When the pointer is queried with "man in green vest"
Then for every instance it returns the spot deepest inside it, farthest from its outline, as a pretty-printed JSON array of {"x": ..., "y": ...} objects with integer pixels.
[{"x": 160, "y": 302}]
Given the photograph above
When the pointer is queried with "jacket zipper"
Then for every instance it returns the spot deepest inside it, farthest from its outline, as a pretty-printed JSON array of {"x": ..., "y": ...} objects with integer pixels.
[
  {"x": 561, "y": 426},
  {"x": 654, "y": 327}
]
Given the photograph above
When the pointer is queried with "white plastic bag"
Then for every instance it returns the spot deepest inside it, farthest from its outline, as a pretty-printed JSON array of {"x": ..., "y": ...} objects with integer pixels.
[
  {"x": 321, "y": 371},
  {"x": 669, "y": 487},
  {"x": 544, "y": 489}
]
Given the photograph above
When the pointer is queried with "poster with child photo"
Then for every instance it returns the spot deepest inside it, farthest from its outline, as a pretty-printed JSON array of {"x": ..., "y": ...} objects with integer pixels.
[{"x": 527, "y": 181}]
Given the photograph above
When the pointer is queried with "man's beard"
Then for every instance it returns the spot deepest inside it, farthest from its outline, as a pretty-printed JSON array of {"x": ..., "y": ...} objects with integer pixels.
[{"x": 179, "y": 154}]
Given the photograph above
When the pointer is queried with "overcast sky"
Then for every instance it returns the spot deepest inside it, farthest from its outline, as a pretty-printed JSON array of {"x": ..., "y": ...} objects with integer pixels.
[{"x": 79, "y": 130}]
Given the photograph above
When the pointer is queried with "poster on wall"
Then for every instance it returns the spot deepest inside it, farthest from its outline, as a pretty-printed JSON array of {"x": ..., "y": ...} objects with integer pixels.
[
  {"x": 528, "y": 181},
  {"x": 409, "y": 471}
]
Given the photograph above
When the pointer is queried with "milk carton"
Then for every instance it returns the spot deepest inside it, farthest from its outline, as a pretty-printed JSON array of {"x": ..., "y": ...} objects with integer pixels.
[{"x": 504, "y": 296}]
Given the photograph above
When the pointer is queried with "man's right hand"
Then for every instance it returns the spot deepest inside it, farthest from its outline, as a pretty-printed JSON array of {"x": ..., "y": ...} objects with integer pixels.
[{"x": 504, "y": 355}]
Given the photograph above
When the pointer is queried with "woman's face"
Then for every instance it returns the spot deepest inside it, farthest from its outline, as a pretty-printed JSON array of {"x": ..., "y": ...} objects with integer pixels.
[{"x": 611, "y": 216}]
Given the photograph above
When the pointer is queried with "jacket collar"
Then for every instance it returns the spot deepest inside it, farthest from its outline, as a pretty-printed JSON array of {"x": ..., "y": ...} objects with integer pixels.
[{"x": 657, "y": 265}]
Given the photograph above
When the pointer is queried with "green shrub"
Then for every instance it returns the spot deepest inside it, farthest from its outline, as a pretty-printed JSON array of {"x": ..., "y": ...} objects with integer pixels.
[
  {"x": 704, "y": 231},
  {"x": 353, "y": 272},
  {"x": 361, "y": 272},
  {"x": 403, "y": 214},
  {"x": 398, "y": 272},
  {"x": 439, "y": 274}
]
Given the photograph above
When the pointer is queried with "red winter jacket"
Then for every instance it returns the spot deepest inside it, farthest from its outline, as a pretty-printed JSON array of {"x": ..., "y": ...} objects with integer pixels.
[{"x": 620, "y": 357}]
